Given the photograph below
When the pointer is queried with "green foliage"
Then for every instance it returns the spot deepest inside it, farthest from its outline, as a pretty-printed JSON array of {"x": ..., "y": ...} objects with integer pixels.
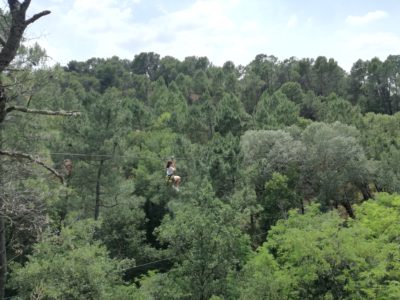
[
  {"x": 200, "y": 82},
  {"x": 193, "y": 244},
  {"x": 224, "y": 163},
  {"x": 388, "y": 173},
  {"x": 101, "y": 131},
  {"x": 122, "y": 229},
  {"x": 380, "y": 133},
  {"x": 168, "y": 68},
  {"x": 206, "y": 242},
  {"x": 338, "y": 109},
  {"x": 170, "y": 100},
  {"x": 311, "y": 107},
  {"x": 314, "y": 256},
  {"x": 70, "y": 265},
  {"x": 200, "y": 122},
  {"x": 381, "y": 141},
  {"x": 146, "y": 64},
  {"x": 275, "y": 111},
  {"x": 293, "y": 91},
  {"x": 191, "y": 64},
  {"x": 328, "y": 77},
  {"x": 268, "y": 151},
  {"x": 335, "y": 163},
  {"x": 252, "y": 89},
  {"x": 149, "y": 154},
  {"x": 279, "y": 198},
  {"x": 374, "y": 85},
  {"x": 230, "y": 116}
]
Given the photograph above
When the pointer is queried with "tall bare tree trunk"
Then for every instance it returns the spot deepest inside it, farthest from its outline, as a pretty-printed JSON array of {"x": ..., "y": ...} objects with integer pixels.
[
  {"x": 3, "y": 258},
  {"x": 366, "y": 192},
  {"x": 9, "y": 48},
  {"x": 2, "y": 103},
  {"x": 3, "y": 254},
  {"x": 97, "y": 203},
  {"x": 347, "y": 205}
]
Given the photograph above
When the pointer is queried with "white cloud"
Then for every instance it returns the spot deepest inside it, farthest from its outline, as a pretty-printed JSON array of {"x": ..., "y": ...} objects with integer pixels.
[
  {"x": 219, "y": 29},
  {"x": 104, "y": 28},
  {"x": 367, "y": 18},
  {"x": 92, "y": 29},
  {"x": 207, "y": 28},
  {"x": 99, "y": 16},
  {"x": 309, "y": 22},
  {"x": 203, "y": 29},
  {"x": 378, "y": 41},
  {"x": 292, "y": 23},
  {"x": 350, "y": 47}
]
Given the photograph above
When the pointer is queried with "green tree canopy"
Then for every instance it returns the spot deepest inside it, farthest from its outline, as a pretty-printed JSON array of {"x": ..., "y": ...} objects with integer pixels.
[{"x": 314, "y": 256}]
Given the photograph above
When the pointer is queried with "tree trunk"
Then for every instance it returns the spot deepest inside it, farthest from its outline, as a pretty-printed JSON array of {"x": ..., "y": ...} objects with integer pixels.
[
  {"x": 16, "y": 30},
  {"x": 210, "y": 130},
  {"x": 97, "y": 204},
  {"x": 7, "y": 54},
  {"x": 349, "y": 209},
  {"x": 2, "y": 103},
  {"x": 302, "y": 206},
  {"x": 252, "y": 228},
  {"x": 378, "y": 188},
  {"x": 347, "y": 205},
  {"x": 3, "y": 258},
  {"x": 366, "y": 192}
]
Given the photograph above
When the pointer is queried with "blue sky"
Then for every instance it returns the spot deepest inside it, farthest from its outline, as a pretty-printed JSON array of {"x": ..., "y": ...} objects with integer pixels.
[{"x": 222, "y": 30}]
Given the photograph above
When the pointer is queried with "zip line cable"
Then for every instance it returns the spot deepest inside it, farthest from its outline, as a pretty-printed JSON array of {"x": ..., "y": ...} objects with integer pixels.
[
  {"x": 170, "y": 258},
  {"x": 147, "y": 264},
  {"x": 114, "y": 156}
]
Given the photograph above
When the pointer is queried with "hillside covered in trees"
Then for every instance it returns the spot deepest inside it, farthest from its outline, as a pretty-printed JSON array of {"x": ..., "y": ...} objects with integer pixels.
[{"x": 290, "y": 172}]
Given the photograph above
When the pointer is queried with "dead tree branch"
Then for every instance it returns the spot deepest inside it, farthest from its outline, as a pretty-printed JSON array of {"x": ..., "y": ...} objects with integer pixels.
[
  {"x": 17, "y": 28},
  {"x": 43, "y": 111},
  {"x": 34, "y": 160},
  {"x": 36, "y": 17}
]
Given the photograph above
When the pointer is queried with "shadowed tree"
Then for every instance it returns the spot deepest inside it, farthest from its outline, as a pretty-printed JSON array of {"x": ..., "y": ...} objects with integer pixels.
[
  {"x": 293, "y": 91},
  {"x": 335, "y": 166},
  {"x": 146, "y": 63},
  {"x": 335, "y": 109},
  {"x": 356, "y": 83},
  {"x": 315, "y": 256},
  {"x": 230, "y": 116},
  {"x": 14, "y": 23},
  {"x": 269, "y": 152},
  {"x": 275, "y": 111},
  {"x": 328, "y": 77},
  {"x": 207, "y": 244},
  {"x": 10, "y": 42}
]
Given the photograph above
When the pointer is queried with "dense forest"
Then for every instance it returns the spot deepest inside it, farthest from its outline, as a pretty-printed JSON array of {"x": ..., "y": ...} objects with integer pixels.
[{"x": 289, "y": 171}]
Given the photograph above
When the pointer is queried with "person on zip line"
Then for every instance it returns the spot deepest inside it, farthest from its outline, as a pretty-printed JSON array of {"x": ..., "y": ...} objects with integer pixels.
[{"x": 174, "y": 179}]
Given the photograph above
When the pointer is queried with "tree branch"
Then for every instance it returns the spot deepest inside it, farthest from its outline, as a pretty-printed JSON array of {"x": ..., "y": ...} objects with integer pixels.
[
  {"x": 43, "y": 111},
  {"x": 34, "y": 160},
  {"x": 2, "y": 42},
  {"x": 36, "y": 17},
  {"x": 109, "y": 206},
  {"x": 16, "y": 31},
  {"x": 13, "y": 4},
  {"x": 25, "y": 5},
  {"x": 112, "y": 205}
]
